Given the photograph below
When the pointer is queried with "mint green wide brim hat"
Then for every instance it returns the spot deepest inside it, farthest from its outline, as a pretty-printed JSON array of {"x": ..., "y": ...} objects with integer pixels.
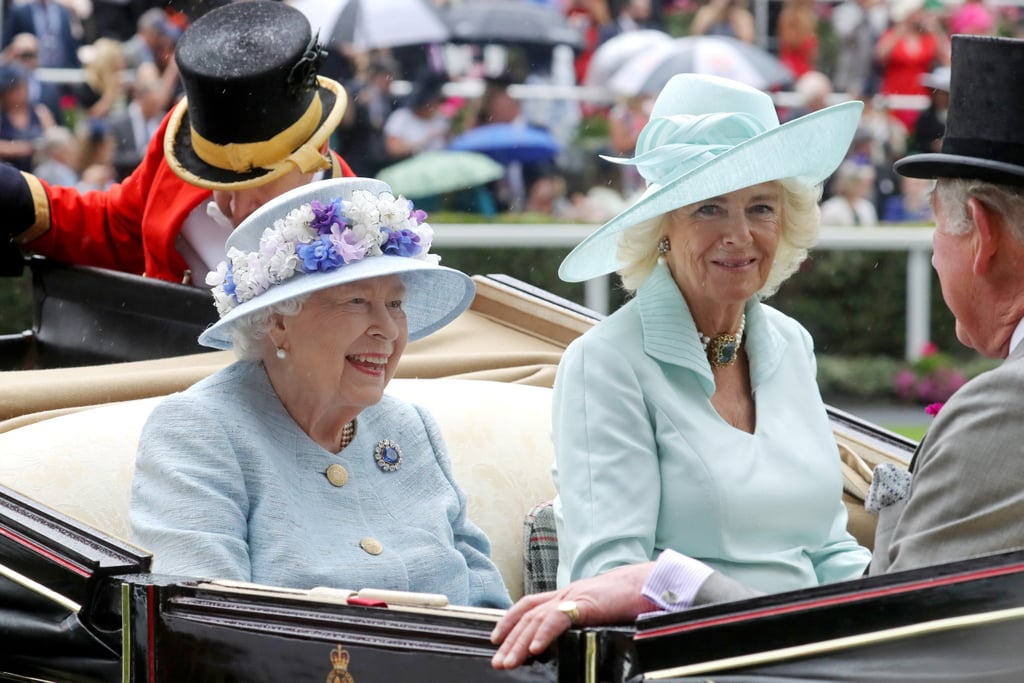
[
  {"x": 708, "y": 136},
  {"x": 434, "y": 295}
]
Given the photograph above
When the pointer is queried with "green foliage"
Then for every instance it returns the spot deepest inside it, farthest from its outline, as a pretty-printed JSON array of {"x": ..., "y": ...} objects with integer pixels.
[
  {"x": 593, "y": 129},
  {"x": 537, "y": 267},
  {"x": 932, "y": 361},
  {"x": 875, "y": 377},
  {"x": 854, "y": 303},
  {"x": 914, "y": 432},
  {"x": 857, "y": 377}
]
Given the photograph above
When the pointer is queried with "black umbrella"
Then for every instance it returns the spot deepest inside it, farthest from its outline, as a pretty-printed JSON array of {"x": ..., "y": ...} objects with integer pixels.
[
  {"x": 374, "y": 23},
  {"x": 510, "y": 22}
]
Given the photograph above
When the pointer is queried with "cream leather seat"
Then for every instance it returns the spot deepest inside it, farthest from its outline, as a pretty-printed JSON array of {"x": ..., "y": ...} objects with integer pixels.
[{"x": 498, "y": 435}]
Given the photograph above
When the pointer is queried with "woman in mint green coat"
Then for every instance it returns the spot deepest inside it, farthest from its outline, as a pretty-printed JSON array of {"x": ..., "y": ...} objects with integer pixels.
[{"x": 690, "y": 420}]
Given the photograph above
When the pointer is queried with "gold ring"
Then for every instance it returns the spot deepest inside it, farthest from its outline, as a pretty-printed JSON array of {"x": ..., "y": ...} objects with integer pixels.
[{"x": 569, "y": 609}]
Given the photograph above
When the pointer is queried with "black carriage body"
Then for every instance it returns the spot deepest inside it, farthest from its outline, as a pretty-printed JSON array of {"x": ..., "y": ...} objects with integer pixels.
[{"x": 139, "y": 627}]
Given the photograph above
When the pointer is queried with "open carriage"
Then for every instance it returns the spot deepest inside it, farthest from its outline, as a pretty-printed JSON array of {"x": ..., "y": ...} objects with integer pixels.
[{"x": 78, "y": 603}]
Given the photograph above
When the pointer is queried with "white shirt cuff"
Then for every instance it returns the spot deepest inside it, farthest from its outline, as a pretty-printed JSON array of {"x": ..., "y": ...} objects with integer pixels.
[{"x": 675, "y": 580}]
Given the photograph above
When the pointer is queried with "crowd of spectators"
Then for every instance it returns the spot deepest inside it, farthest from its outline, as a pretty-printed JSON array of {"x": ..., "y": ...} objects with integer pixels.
[
  {"x": 84, "y": 84},
  {"x": 91, "y": 130}
]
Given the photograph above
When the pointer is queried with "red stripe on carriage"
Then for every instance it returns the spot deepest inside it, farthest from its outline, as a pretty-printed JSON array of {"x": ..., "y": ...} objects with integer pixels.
[
  {"x": 48, "y": 554},
  {"x": 826, "y": 602}
]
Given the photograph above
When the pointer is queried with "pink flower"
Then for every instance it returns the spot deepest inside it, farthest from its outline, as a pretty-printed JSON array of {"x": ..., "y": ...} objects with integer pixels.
[
  {"x": 933, "y": 408},
  {"x": 929, "y": 349}
]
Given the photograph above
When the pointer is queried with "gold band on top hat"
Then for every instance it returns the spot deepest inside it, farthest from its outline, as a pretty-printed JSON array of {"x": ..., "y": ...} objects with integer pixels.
[{"x": 244, "y": 156}]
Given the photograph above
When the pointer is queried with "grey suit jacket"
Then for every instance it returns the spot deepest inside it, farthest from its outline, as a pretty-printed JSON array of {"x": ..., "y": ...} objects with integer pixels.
[{"x": 967, "y": 494}]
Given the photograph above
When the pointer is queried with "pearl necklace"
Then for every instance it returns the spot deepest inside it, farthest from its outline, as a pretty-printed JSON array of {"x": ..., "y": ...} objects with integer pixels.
[
  {"x": 348, "y": 432},
  {"x": 724, "y": 349}
]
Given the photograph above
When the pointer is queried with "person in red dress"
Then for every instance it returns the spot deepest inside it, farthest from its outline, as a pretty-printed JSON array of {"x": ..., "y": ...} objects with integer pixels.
[
  {"x": 797, "y": 29},
  {"x": 909, "y": 49},
  {"x": 255, "y": 123}
]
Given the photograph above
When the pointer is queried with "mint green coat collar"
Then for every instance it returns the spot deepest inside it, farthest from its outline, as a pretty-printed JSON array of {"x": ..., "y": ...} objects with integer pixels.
[{"x": 670, "y": 335}]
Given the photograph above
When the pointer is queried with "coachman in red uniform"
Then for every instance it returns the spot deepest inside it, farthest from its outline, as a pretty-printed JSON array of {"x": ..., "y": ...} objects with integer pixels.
[{"x": 254, "y": 123}]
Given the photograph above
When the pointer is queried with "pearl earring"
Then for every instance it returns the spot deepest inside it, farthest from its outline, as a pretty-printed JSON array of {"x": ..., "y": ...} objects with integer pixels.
[
  {"x": 281, "y": 353},
  {"x": 663, "y": 248}
]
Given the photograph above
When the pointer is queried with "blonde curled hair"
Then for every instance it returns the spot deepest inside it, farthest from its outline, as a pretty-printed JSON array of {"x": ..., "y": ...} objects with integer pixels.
[{"x": 801, "y": 218}]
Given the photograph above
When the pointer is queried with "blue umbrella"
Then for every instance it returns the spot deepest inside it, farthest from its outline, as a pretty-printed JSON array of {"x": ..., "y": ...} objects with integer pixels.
[{"x": 507, "y": 142}]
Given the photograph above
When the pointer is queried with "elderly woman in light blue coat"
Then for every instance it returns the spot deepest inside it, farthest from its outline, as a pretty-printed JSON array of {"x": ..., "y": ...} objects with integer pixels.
[
  {"x": 292, "y": 467},
  {"x": 690, "y": 420}
]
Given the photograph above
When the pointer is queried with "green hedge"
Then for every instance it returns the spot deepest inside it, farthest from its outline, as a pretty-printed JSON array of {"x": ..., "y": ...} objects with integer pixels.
[
  {"x": 871, "y": 377},
  {"x": 854, "y": 303}
]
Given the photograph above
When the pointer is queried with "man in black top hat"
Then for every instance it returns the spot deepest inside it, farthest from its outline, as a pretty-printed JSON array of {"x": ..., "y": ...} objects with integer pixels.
[
  {"x": 965, "y": 497},
  {"x": 255, "y": 123}
]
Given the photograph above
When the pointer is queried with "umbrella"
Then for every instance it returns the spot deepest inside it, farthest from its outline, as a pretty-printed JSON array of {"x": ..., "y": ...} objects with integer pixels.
[
  {"x": 618, "y": 50},
  {"x": 724, "y": 56},
  {"x": 507, "y": 142},
  {"x": 438, "y": 171},
  {"x": 511, "y": 22},
  {"x": 374, "y": 23}
]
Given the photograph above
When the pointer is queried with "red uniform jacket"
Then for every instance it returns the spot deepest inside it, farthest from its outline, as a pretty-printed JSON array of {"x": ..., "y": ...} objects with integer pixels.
[{"x": 132, "y": 227}]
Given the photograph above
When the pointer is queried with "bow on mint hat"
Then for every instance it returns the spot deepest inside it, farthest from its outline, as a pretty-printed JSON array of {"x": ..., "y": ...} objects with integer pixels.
[
  {"x": 708, "y": 136},
  {"x": 330, "y": 233}
]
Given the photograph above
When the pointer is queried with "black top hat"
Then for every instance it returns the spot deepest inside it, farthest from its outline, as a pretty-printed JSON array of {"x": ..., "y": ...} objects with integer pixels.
[
  {"x": 984, "y": 137},
  {"x": 255, "y": 107}
]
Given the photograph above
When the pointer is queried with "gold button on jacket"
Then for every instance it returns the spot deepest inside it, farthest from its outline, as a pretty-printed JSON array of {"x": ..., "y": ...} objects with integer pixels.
[
  {"x": 337, "y": 475},
  {"x": 371, "y": 545}
]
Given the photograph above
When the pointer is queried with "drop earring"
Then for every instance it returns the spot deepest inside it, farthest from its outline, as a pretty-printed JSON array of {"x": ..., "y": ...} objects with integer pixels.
[
  {"x": 281, "y": 353},
  {"x": 663, "y": 248}
]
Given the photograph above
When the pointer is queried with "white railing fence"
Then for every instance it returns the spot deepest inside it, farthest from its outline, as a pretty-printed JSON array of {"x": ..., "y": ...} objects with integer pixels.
[{"x": 915, "y": 241}]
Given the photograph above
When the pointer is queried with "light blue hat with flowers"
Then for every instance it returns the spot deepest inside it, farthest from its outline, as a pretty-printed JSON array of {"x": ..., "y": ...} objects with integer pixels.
[
  {"x": 330, "y": 233},
  {"x": 708, "y": 136}
]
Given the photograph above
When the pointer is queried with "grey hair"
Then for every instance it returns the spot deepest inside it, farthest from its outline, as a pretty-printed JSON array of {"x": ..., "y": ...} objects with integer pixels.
[
  {"x": 248, "y": 333},
  {"x": 953, "y": 194},
  {"x": 801, "y": 218}
]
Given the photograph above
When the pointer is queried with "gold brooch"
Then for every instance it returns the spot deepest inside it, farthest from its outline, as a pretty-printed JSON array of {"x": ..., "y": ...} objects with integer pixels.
[{"x": 724, "y": 349}]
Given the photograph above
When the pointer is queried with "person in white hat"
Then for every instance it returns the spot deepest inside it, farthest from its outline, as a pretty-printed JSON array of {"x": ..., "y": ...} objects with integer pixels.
[
  {"x": 292, "y": 467},
  {"x": 688, "y": 424}
]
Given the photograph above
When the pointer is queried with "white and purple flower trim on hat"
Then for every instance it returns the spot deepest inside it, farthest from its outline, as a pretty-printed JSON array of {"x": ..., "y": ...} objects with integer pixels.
[{"x": 317, "y": 237}]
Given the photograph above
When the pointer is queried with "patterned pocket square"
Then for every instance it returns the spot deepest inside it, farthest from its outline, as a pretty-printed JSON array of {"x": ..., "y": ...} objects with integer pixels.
[{"x": 889, "y": 484}]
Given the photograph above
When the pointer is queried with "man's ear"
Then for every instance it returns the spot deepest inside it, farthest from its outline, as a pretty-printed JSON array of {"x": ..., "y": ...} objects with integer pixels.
[{"x": 988, "y": 230}]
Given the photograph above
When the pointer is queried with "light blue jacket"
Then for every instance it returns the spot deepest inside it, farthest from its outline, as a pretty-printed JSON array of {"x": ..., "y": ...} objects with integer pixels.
[
  {"x": 644, "y": 462},
  {"x": 228, "y": 486}
]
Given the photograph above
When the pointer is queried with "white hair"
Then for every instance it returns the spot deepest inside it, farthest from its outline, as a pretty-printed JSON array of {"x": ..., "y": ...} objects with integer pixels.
[
  {"x": 953, "y": 193},
  {"x": 801, "y": 218},
  {"x": 248, "y": 333}
]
